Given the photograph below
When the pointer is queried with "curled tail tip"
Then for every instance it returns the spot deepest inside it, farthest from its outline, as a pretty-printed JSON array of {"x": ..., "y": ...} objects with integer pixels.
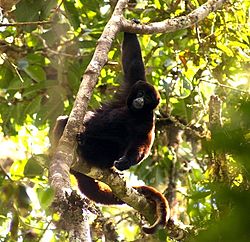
[
  {"x": 160, "y": 223},
  {"x": 148, "y": 230},
  {"x": 152, "y": 229},
  {"x": 162, "y": 208}
]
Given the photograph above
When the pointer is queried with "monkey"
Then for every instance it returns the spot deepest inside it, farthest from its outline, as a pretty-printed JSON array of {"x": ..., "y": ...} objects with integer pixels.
[{"x": 121, "y": 132}]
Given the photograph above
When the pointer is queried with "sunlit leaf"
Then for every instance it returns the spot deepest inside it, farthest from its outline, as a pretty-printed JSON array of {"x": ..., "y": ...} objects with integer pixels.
[
  {"x": 72, "y": 14},
  {"x": 225, "y": 49},
  {"x": 33, "y": 168},
  {"x": 45, "y": 196},
  {"x": 36, "y": 72}
]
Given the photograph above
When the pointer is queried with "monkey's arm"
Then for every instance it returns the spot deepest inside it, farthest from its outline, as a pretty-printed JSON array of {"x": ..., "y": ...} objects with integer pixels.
[
  {"x": 132, "y": 63},
  {"x": 137, "y": 151}
]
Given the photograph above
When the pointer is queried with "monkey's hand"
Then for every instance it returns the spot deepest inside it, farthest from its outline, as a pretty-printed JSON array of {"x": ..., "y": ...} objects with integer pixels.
[{"x": 122, "y": 164}]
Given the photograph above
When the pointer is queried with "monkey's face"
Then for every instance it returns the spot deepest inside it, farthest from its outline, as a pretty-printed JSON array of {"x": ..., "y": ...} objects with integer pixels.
[{"x": 143, "y": 97}]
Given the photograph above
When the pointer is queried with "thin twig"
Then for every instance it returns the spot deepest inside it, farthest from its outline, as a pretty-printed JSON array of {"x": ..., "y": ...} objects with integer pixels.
[
  {"x": 25, "y": 23},
  {"x": 226, "y": 86},
  {"x": 178, "y": 124},
  {"x": 5, "y": 173}
]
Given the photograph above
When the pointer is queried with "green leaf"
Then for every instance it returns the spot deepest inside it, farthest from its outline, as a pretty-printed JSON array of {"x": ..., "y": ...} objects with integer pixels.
[
  {"x": 15, "y": 84},
  {"x": 45, "y": 196},
  {"x": 18, "y": 113},
  {"x": 199, "y": 195},
  {"x": 52, "y": 108},
  {"x": 7, "y": 126},
  {"x": 72, "y": 14},
  {"x": 225, "y": 49},
  {"x": 22, "y": 198},
  {"x": 36, "y": 72},
  {"x": 33, "y": 106},
  {"x": 33, "y": 10},
  {"x": 87, "y": 44},
  {"x": 90, "y": 5},
  {"x": 182, "y": 110},
  {"x": 47, "y": 5},
  {"x": 75, "y": 71},
  {"x": 28, "y": 6},
  {"x": 6, "y": 76},
  {"x": 184, "y": 88},
  {"x": 157, "y": 4},
  {"x": 38, "y": 88},
  {"x": 33, "y": 168},
  {"x": 53, "y": 36},
  {"x": 35, "y": 59}
]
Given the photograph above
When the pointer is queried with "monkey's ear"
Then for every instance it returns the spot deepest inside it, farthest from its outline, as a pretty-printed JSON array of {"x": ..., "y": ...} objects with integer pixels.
[{"x": 132, "y": 62}]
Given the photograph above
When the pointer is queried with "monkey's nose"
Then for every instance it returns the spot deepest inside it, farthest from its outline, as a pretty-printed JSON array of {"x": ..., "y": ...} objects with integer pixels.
[{"x": 138, "y": 103}]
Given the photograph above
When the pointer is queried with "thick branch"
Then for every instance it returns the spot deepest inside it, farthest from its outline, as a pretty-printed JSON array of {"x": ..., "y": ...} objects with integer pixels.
[
  {"x": 171, "y": 25},
  {"x": 119, "y": 187},
  {"x": 63, "y": 157},
  {"x": 128, "y": 195}
]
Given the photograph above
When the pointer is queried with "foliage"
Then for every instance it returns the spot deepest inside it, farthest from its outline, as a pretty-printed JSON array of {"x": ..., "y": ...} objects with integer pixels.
[{"x": 206, "y": 180}]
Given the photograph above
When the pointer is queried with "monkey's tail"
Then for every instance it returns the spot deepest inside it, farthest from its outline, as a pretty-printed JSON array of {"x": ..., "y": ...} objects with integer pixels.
[
  {"x": 99, "y": 193},
  {"x": 96, "y": 191},
  {"x": 161, "y": 206}
]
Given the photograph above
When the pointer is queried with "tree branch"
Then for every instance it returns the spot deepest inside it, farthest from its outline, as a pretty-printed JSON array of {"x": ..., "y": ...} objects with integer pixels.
[
  {"x": 119, "y": 187},
  {"x": 128, "y": 195},
  {"x": 63, "y": 157},
  {"x": 64, "y": 154},
  {"x": 25, "y": 23},
  {"x": 171, "y": 25}
]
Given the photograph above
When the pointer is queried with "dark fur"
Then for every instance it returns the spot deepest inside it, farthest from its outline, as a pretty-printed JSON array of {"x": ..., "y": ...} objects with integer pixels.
[
  {"x": 121, "y": 132},
  {"x": 118, "y": 133}
]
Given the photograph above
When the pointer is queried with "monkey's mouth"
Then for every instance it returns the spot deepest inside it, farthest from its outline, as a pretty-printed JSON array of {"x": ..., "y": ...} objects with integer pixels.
[{"x": 138, "y": 103}]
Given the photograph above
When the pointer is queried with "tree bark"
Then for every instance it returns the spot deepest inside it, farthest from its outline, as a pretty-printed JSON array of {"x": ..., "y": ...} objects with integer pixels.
[{"x": 64, "y": 154}]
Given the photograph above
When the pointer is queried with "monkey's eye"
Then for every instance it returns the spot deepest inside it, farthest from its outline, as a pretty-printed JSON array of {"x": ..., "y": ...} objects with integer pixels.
[
  {"x": 148, "y": 98},
  {"x": 140, "y": 93}
]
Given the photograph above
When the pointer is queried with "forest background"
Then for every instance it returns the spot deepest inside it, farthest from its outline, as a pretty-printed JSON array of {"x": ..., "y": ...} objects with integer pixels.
[{"x": 200, "y": 157}]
